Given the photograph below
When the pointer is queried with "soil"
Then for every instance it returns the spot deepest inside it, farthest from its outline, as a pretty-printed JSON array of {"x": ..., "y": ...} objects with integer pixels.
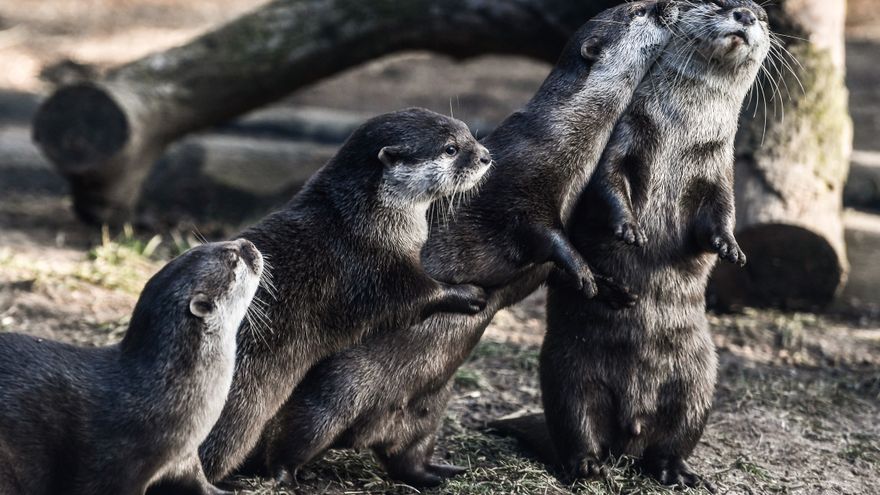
[{"x": 798, "y": 401}]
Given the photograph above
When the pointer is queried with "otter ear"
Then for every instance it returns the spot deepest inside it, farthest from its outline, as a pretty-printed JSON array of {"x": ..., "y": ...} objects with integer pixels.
[
  {"x": 591, "y": 49},
  {"x": 392, "y": 155},
  {"x": 201, "y": 306}
]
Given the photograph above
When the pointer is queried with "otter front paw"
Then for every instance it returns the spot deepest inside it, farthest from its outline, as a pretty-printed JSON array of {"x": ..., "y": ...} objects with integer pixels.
[
  {"x": 630, "y": 233},
  {"x": 466, "y": 298},
  {"x": 585, "y": 282},
  {"x": 614, "y": 294},
  {"x": 728, "y": 249}
]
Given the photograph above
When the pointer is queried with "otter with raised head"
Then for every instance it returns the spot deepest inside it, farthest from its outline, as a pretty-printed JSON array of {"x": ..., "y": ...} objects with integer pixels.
[
  {"x": 109, "y": 421},
  {"x": 390, "y": 392},
  {"x": 345, "y": 257},
  {"x": 641, "y": 381}
]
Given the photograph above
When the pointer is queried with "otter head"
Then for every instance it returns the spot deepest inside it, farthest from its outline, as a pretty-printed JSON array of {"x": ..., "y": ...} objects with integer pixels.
[
  {"x": 720, "y": 40},
  {"x": 426, "y": 156},
  {"x": 196, "y": 298},
  {"x": 613, "y": 51}
]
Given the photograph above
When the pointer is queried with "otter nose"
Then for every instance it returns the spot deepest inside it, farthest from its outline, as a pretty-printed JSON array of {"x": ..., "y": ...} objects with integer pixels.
[
  {"x": 485, "y": 157},
  {"x": 745, "y": 17}
]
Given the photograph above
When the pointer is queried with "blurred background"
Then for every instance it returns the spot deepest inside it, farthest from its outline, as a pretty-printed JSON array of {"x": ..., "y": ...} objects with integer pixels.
[{"x": 115, "y": 154}]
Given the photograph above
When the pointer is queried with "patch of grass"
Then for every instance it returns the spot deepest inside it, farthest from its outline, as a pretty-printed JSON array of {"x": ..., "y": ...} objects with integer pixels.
[
  {"x": 862, "y": 447},
  {"x": 124, "y": 245},
  {"x": 182, "y": 243},
  {"x": 517, "y": 357},
  {"x": 470, "y": 378},
  {"x": 121, "y": 263},
  {"x": 752, "y": 469}
]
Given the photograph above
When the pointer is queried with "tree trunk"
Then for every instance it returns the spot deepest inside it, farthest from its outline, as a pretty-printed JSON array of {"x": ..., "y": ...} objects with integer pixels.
[
  {"x": 791, "y": 167},
  {"x": 104, "y": 135}
]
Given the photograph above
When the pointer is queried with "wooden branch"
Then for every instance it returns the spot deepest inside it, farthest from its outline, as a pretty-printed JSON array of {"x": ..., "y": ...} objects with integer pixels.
[{"x": 104, "y": 135}]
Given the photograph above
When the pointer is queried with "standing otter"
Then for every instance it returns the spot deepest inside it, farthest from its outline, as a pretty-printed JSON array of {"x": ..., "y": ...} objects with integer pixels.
[
  {"x": 390, "y": 392},
  {"x": 111, "y": 420},
  {"x": 345, "y": 255},
  {"x": 641, "y": 381}
]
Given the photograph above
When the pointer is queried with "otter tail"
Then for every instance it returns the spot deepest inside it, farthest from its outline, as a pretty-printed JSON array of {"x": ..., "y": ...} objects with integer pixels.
[{"x": 531, "y": 431}]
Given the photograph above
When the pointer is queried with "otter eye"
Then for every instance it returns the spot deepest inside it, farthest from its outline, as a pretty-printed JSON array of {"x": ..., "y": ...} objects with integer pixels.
[
  {"x": 452, "y": 150},
  {"x": 640, "y": 12},
  {"x": 201, "y": 306}
]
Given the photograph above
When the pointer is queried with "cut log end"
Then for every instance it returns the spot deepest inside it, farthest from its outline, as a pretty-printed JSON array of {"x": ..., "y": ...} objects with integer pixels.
[
  {"x": 789, "y": 267},
  {"x": 80, "y": 127}
]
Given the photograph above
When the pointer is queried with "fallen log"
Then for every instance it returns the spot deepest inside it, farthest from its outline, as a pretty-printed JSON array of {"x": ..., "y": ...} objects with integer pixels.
[
  {"x": 104, "y": 135},
  {"x": 227, "y": 178}
]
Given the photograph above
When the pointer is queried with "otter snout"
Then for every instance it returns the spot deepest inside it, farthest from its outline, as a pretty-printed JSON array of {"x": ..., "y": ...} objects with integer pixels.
[
  {"x": 250, "y": 255},
  {"x": 484, "y": 158}
]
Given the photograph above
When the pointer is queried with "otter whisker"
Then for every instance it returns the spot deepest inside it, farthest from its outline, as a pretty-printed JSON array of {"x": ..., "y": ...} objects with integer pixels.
[
  {"x": 198, "y": 235},
  {"x": 782, "y": 50},
  {"x": 772, "y": 60}
]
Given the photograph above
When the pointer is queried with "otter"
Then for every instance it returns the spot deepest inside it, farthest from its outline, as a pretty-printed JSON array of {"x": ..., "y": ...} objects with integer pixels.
[
  {"x": 91, "y": 421},
  {"x": 641, "y": 381},
  {"x": 389, "y": 393},
  {"x": 345, "y": 257}
]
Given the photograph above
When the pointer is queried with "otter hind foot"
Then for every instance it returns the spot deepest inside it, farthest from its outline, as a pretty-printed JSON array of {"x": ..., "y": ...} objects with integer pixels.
[
  {"x": 284, "y": 477},
  {"x": 588, "y": 467},
  {"x": 674, "y": 471}
]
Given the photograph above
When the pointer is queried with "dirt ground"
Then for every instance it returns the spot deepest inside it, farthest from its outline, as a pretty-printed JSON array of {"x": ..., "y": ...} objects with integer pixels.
[{"x": 798, "y": 403}]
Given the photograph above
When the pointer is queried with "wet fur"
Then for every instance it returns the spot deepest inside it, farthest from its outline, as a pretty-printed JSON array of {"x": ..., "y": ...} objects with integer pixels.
[
  {"x": 345, "y": 257},
  {"x": 390, "y": 392},
  {"x": 111, "y": 420},
  {"x": 641, "y": 381}
]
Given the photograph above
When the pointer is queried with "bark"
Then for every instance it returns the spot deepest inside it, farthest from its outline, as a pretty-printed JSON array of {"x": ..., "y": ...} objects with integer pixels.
[
  {"x": 104, "y": 135},
  {"x": 791, "y": 167}
]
